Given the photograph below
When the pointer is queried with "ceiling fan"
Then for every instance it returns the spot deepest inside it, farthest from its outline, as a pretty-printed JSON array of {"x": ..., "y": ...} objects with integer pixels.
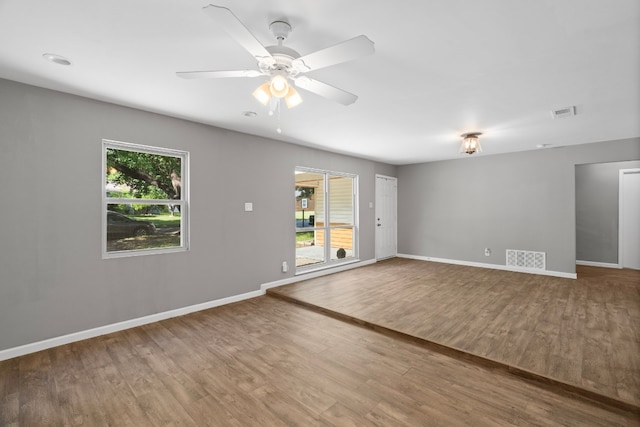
[{"x": 283, "y": 65}]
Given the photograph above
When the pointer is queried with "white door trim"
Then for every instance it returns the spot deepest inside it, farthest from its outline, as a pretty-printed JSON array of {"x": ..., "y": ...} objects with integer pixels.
[{"x": 621, "y": 218}]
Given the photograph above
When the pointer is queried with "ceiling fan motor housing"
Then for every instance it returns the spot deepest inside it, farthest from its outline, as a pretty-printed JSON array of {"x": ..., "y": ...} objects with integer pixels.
[{"x": 283, "y": 57}]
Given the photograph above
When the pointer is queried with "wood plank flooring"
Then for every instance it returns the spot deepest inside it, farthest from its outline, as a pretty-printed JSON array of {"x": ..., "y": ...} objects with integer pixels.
[
  {"x": 584, "y": 333},
  {"x": 267, "y": 362}
]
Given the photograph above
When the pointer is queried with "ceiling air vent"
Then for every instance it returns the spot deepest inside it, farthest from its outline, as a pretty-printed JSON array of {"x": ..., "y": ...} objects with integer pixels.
[{"x": 564, "y": 112}]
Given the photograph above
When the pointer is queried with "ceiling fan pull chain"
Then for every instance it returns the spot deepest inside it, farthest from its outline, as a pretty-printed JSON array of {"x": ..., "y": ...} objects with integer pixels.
[{"x": 279, "y": 129}]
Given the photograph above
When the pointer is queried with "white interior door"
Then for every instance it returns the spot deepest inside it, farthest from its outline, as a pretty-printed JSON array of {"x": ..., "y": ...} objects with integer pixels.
[
  {"x": 386, "y": 216},
  {"x": 629, "y": 224}
]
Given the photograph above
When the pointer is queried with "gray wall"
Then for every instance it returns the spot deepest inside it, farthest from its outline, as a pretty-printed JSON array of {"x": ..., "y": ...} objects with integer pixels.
[
  {"x": 597, "y": 191},
  {"x": 52, "y": 278},
  {"x": 454, "y": 209}
]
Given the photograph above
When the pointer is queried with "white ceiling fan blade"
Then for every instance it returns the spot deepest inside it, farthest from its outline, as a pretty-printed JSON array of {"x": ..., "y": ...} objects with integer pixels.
[
  {"x": 346, "y": 51},
  {"x": 236, "y": 29},
  {"x": 218, "y": 74},
  {"x": 325, "y": 90}
]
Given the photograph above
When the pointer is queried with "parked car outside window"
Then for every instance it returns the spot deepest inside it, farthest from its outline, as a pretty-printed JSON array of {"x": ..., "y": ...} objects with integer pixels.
[{"x": 120, "y": 226}]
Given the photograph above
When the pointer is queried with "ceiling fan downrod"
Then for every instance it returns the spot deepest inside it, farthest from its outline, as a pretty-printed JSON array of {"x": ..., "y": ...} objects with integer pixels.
[{"x": 280, "y": 30}]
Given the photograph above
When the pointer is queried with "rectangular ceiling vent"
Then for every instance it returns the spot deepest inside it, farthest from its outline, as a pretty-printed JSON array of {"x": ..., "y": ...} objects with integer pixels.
[
  {"x": 564, "y": 112},
  {"x": 526, "y": 259}
]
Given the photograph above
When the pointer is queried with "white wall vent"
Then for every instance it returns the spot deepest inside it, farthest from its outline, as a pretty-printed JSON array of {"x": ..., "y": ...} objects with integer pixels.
[
  {"x": 564, "y": 112},
  {"x": 526, "y": 259}
]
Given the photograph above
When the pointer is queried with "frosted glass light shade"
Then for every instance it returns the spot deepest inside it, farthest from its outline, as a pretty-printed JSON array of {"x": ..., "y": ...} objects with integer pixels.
[
  {"x": 293, "y": 98},
  {"x": 262, "y": 93},
  {"x": 279, "y": 86}
]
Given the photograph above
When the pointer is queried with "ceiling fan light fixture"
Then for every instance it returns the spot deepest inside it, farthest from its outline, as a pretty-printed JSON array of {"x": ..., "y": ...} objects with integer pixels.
[
  {"x": 279, "y": 86},
  {"x": 293, "y": 98},
  {"x": 281, "y": 64},
  {"x": 263, "y": 93},
  {"x": 470, "y": 143}
]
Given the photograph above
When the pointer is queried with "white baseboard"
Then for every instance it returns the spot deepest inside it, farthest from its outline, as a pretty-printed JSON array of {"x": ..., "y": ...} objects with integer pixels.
[
  {"x": 115, "y": 327},
  {"x": 313, "y": 274},
  {"x": 598, "y": 264},
  {"x": 127, "y": 324},
  {"x": 493, "y": 266}
]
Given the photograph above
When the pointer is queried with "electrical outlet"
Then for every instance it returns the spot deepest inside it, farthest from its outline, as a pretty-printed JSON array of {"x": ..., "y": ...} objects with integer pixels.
[
  {"x": 285, "y": 266},
  {"x": 487, "y": 252}
]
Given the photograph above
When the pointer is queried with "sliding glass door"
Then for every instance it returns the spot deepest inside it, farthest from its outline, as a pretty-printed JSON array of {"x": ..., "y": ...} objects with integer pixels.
[{"x": 326, "y": 207}]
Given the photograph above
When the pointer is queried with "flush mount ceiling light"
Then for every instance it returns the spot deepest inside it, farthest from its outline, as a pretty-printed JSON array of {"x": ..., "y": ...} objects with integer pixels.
[
  {"x": 470, "y": 143},
  {"x": 57, "y": 59}
]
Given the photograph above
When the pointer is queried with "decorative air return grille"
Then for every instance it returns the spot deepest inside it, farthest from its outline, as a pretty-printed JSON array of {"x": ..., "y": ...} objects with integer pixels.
[{"x": 526, "y": 259}]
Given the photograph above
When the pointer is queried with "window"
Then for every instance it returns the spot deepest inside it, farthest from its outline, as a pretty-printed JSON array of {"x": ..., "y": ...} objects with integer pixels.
[
  {"x": 144, "y": 200},
  {"x": 326, "y": 206}
]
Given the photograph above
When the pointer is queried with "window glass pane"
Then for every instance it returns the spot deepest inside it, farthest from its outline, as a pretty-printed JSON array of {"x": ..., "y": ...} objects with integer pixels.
[
  {"x": 309, "y": 199},
  {"x": 142, "y": 226},
  {"x": 144, "y": 198},
  {"x": 341, "y": 243},
  {"x": 139, "y": 175},
  {"x": 341, "y": 200},
  {"x": 308, "y": 251}
]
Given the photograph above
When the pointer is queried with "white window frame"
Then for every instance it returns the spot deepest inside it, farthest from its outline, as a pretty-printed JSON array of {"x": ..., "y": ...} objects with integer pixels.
[
  {"x": 328, "y": 262},
  {"x": 183, "y": 202}
]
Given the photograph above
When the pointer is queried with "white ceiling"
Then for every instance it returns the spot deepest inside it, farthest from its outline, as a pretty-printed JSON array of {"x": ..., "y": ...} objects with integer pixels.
[{"x": 440, "y": 68}]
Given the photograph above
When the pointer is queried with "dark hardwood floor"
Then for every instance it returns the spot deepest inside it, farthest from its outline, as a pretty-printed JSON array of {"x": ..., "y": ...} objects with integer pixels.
[
  {"x": 267, "y": 362},
  {"x": 583, "y": 333}
]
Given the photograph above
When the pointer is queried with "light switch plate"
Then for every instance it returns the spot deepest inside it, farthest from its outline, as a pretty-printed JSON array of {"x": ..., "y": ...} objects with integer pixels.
[{"x": 248, "y": 207}]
